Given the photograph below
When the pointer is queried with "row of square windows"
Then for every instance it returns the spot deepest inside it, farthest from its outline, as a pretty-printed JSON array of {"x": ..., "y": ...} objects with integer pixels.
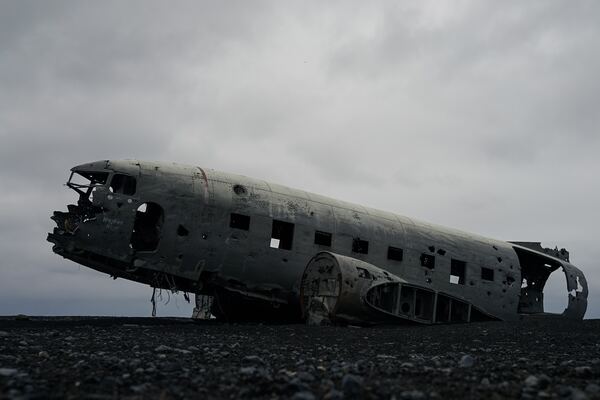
[{"x": 282, "y": 236}]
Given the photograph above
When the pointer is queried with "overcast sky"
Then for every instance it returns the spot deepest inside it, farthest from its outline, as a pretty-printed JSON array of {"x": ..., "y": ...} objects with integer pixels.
[{"x": 483, "y": 116}]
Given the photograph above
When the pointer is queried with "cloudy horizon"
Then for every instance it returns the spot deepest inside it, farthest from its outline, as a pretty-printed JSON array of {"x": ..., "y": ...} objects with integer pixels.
[{"x": 480, "y": 116}]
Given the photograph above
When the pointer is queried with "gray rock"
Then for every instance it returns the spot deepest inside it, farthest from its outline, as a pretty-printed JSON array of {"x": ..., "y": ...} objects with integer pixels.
[
  {"x": 532, "y": 381},
  {"x": 333, "y": 395},
  {"x": 543, "y": 381},
  {"x": 583, "y": 371},
  {"x": 303, "y": 395},
  {"x": 253, "y": 360},
  {"x": 412, "y": 395},
  {"x": 351, "y": 385},
  {"x": 466, "y": 361},
  {"x": 8, "y": 371},
  {"x": 3, "y": 333},
  {"x": 163, "y": 349},
  {"x": 577, "y": 394},
  {"x": 305, "y": 376},
  {"x": 43, "y": 354},
  {"x": 140, "y": 388},
  {"x": 564, "y": 391},
  {"x": 135, "y": 363},
  {"x": 248, "y": 370},
  {"x": 592, "y": 388},
  {"x": 296, "y": 385}
]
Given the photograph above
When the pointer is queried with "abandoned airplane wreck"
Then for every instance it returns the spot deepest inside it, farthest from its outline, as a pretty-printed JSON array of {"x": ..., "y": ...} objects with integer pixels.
[{"x": 252, "y": 250}]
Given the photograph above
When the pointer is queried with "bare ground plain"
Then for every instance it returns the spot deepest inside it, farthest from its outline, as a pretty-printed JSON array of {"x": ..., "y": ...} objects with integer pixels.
[{"x": 166, "y": 358}]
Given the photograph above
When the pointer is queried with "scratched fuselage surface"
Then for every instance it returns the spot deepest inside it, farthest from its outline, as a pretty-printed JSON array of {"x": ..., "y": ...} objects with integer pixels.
[{"x": 246, "y": 240}]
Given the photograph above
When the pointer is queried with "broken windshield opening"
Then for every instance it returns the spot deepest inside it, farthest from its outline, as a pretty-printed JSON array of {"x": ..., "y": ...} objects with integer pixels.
[{"x": 84, "y": 182}]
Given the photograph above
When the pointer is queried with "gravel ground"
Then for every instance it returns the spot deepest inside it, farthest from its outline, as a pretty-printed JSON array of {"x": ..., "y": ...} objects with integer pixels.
[{"x": 164, "y": 358}]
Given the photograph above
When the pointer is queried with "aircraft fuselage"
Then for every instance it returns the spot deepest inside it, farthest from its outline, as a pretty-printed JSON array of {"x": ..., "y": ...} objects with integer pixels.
[{"x": 248, "y": 243}]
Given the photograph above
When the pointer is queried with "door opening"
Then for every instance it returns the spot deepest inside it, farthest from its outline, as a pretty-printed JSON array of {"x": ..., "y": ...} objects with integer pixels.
[{"x": 149, "y": 219}]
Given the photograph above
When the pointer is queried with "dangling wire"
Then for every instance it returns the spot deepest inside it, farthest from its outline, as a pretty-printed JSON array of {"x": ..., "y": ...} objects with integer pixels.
[{"x": 153, "y": 300}]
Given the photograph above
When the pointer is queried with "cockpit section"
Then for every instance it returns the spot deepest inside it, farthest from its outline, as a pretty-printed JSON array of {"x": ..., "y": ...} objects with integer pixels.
[
  {"x": 102, "y": 218},
  {"x": 133, "y": 220}
]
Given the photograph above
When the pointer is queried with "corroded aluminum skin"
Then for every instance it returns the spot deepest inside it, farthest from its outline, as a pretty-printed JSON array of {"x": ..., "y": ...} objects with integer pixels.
[{"x": 213, "y": 255}]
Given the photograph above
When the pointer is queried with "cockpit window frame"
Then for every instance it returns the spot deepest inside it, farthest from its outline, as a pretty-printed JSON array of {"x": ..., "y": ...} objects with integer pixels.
[
  {"x": 96, "y": 178},
  {"x": 127, "y": 187}
]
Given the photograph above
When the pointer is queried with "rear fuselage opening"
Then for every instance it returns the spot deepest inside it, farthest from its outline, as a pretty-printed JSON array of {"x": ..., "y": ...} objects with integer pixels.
[{"x": 536, "y": 268}]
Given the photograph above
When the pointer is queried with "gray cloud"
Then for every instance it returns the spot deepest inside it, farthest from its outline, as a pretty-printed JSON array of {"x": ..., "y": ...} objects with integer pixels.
[{"x": 477, "y": 115}]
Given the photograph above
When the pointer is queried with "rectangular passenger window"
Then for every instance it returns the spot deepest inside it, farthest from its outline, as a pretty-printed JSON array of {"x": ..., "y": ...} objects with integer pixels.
[
  {"x": 239, "y": 221},
  {"x": 457, "y": 272},
  {"x": 123, "y": 184},
  {"x": 282, "y": 235},
  {"x": 395, "y": 253},
  {"x": 360, "y": 246},
  {"x": 487, "y": 274},
  {"x": 323, "y": 238},
  {"x": 428, "y": 261}
]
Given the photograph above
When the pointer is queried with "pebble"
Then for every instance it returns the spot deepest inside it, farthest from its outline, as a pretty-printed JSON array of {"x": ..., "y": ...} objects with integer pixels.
[
  {"x": 305, "y": 376},
  {"x": 253, "y": 360},
  {"x": 296, "y": 385},
  {"x": 583, "y": 371},
  {"x": 592, "y": 388},
  {"x": 351, "y": 385},
  {"x": 577, "y": 394},
  {"x": 248, "y": 370},
  {"x": 139, "y": 388},
  {"x": 543, "y": 381},
  {"x": 466, "y": 361},
  {"x": 532, "y": 381},
  {"x": 303, "y": 395},
  {"x": 333, "y": 395},
  {"x": 8, "y": 371},
  {"x": 162, "y": 349},
  {"x": 412, "y": 395},
  {"x": 43, "y": 354}
]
